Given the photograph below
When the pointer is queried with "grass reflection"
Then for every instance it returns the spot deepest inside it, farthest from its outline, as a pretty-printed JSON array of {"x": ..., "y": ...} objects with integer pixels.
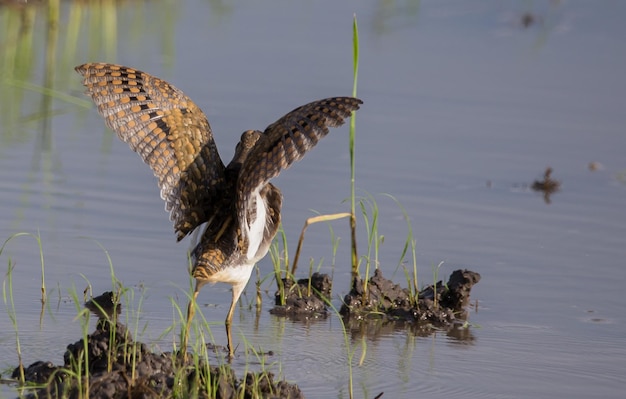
[{"x": 42, "y": 41}]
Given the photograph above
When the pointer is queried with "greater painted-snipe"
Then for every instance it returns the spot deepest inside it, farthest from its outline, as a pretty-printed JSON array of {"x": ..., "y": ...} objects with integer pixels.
[{"x": 239, "y": 205}]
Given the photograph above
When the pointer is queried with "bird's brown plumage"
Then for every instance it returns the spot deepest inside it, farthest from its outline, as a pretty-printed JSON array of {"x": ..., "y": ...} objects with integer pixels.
[
  {"x": 173, "y": 136},
  {"x": 170, "y": 133}
]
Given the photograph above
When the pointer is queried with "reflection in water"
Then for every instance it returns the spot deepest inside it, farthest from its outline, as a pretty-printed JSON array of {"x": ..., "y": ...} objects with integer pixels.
[
  {"x": 389, "y": 15},
  {"x": 43, "y": 39},
  {"x": 529, "y": 103},
  {"x": 375, "y": 329},
  {"x": 29, "y": 30},
  {"x": 31, "y": 38}
]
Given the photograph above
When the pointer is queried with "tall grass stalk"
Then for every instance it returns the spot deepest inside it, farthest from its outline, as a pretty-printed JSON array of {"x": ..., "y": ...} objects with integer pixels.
[
  {"x": 334, "y": 240},
  {"x": 8, "y": 299},
  {"x": 257, "y": 378},
  {"x": 370, "y": 218},
  {"x": 82, "y": 314},
  {"x": 285, "y": 257},
  {"x": 178, "y": 315},
  {"x": 7, "y": 288},
  {"x": 355, "y": 66},
  {"x": 276, "y": 254},
  {"x": 118, "y": 290},
  {"x": 200, "y": 354},
  {"x": 435, "y": 278},
  {"x": 349, "y": 350},
  {"x": 129, "y": 294},
  {"x": 371, "y": 226},
  {"x": 43, "y": 274},
  {"x": 414, "y": 280},
  {"x": 201, "y": 327},
  {"x": 116, "y": 284},
  {"x": 411, "y": 243}
]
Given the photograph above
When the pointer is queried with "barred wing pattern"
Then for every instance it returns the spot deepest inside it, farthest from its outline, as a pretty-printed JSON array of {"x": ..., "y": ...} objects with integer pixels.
[
  {"x": 170, "y": 133},
  {"x": 286, "y": 141}
]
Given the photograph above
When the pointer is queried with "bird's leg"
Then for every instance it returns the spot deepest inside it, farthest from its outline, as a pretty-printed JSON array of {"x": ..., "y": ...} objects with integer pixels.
[
  {"x": 191, "y": 309},
  {"x": 237, "y": 290}
]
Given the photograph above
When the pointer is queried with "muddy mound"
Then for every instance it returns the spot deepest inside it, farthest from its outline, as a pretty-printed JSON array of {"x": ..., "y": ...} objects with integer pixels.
[
  {"x": 119, "y": 367},
  {"x": 434, "y": 305},
  {"x": 303, "y": 299}
]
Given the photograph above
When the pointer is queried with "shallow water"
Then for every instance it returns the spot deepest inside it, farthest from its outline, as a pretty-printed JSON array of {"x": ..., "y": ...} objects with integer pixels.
[{"x": 463, "y": 109}]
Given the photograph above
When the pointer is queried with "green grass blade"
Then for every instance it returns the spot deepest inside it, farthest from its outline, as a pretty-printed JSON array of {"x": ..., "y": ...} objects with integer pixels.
[{"x": 355, "y": 63}]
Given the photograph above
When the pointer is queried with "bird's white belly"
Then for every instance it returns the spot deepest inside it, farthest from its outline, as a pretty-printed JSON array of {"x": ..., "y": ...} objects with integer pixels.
[
  {"x": 257, "y": 227},
  {"x": 234, "y": 275}
]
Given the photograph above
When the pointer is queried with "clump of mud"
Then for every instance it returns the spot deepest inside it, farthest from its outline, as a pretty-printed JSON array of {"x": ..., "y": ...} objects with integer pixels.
[
  {"x": 305, "y": 298},
  {"x": 438, "y": 305},
  {"x": 122, "y": 368}
]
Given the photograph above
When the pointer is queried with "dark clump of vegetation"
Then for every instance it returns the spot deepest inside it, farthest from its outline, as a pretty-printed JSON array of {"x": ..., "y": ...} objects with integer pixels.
[
  {"x": 305, "y": 298},
  {"x": 109, "y": 364},
  {"x": 438, "y": 304}
]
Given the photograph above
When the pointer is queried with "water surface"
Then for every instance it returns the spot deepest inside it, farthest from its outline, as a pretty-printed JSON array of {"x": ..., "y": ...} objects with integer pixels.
[{"x": 463, "y": 108}]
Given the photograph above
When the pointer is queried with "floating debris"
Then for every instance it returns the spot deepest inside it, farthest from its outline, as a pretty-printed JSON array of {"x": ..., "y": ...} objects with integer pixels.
[
  {"x": 548, "y": 185},
  {"x": 595, "y": 166}
]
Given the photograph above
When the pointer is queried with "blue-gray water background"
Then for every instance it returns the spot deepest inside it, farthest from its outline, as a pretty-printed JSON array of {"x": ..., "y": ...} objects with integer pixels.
[{"x": 465, "y": 104}]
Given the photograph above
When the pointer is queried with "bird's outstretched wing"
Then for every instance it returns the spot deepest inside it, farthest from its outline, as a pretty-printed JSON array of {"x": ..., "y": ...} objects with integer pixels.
[
  {"x": 170, "y": 133},
  {"x": 287, "y": 140}
]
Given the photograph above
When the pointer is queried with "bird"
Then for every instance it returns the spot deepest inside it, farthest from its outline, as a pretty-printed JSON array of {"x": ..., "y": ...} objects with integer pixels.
[{"x": 237, "y": 204}]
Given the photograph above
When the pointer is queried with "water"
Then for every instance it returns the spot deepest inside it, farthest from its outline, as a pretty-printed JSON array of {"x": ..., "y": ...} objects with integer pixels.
[{"x": 463, "y": 109}]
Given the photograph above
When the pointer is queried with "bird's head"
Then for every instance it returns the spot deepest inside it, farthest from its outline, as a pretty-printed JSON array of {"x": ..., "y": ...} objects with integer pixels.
[{"x": 248, "y": 139}]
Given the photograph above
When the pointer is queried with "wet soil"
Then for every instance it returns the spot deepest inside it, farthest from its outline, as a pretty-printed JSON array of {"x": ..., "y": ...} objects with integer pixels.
[
  {"x": 122, "y": 368},
  {"x": 303, "y": 299},
  {"x": 439, "y": 306}
]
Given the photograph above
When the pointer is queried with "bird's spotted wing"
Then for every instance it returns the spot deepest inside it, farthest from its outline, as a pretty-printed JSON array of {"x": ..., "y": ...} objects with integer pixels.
[
  {"x": 287, "y": 140},
  {"x": 169, "y": 132}
]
